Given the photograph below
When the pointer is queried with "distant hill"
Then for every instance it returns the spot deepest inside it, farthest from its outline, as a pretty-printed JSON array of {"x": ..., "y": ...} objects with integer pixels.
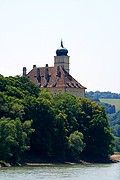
[
  {"x": 106, "y": 95},
  {"x": 110, "y": 101},
  {"x": 115, "y": 102}
]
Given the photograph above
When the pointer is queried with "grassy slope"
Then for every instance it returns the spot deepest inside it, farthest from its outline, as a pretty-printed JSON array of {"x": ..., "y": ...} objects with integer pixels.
[{"x": 115, "y": 102}]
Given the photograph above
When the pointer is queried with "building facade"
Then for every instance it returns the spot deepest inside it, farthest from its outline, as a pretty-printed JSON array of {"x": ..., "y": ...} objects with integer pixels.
[{"x": 56, "y": 79}]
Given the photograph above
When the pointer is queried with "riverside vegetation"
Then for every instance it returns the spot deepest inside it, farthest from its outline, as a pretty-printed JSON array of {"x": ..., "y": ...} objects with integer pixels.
[
  {"x": 111, "y": 103},
  {"x": 57, "y": 128}
]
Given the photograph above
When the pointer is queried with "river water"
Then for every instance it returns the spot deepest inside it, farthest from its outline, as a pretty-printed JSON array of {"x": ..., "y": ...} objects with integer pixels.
[{"x": 63, "y": 172}]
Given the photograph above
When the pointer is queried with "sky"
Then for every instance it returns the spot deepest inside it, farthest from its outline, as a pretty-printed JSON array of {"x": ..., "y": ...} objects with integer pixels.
[{"x": 31, "y": 32}]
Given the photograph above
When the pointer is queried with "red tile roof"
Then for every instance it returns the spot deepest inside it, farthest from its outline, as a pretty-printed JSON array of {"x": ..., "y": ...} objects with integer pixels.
[{"x": 53, "y": 77}]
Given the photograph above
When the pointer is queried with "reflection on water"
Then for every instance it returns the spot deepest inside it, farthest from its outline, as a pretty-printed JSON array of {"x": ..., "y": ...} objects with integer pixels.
[{"x": 65, "y": 172}]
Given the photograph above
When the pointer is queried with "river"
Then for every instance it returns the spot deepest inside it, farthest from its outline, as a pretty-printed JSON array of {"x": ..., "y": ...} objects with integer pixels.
[{"x": 63, "y": 172}]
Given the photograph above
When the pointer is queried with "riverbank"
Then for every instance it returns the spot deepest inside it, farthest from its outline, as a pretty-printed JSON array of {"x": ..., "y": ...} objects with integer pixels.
[
  {"x": 115, "y": 157},
  {"x": 35, "y": 161}
]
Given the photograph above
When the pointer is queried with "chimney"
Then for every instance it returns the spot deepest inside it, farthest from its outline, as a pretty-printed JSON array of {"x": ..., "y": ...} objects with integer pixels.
[
  {"x": 34, "y": 66},
  {"x": 24, "y": 71}
]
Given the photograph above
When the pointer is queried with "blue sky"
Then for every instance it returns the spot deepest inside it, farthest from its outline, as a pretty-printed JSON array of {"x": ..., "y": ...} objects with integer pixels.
[{"x": 31, "y": 31}]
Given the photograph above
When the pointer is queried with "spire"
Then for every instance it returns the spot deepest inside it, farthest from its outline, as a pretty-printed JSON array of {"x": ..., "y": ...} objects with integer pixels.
[
  {"x": 62, "y": 43},
  {"x": 61, "y": 51}
]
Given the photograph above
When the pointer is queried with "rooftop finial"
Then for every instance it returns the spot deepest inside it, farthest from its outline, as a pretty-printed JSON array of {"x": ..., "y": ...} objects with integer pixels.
[
  {"x": 61, "y": 51},
  {"x": 61, "y": 43}
]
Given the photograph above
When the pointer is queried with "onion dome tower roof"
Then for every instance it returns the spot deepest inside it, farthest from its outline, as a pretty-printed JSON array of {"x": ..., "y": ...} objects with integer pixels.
[{"x": 61, "y": 51}]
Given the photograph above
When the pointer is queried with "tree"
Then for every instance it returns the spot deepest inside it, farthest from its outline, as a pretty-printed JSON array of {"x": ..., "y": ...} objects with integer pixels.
[
  {"x": 93, "y": 123},
  {"x": 117, "y": 144},
  {"x": 76, "y": 144},
  {"x": 3, "y": 83},
  {"x": 100, "y": 137},
  {"x": 42, "y": 114},
  {"x": 13, "y": 138},
  {"x": 60, "y": 137},
  {"x": 68, "y": 105}
]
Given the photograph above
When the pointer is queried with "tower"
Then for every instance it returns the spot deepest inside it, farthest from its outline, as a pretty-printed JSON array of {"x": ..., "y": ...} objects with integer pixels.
[
  {"x": 56, "y": 79},
  {"x": 61, "y": 58}
]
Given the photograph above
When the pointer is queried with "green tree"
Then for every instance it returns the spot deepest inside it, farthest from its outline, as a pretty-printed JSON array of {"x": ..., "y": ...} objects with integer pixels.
[
  {"x": 76, "y": 144},
  {"x": 101, "y": 137},
  {"x": 60, "y": 137},
  {"x": 42, "y": 114},
  {"x": 93, "y": 123},
  {"x": 17, "y": 110},
  {"x": 3, "y": 83},
  {"x": 13, "y": 139},
  {"x": 68, "y": 105},
  {"x": 117, "y": 144}
]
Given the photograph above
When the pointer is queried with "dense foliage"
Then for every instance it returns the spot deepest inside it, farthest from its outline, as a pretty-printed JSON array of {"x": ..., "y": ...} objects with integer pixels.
[
  {"x": 114, "y": 120},
  {"x": 114, "y": 117},
  {"x": 60, "y": 127}
]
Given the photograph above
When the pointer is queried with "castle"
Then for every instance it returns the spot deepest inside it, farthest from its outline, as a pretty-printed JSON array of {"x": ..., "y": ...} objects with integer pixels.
[{"x": 56, "y": 79}]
